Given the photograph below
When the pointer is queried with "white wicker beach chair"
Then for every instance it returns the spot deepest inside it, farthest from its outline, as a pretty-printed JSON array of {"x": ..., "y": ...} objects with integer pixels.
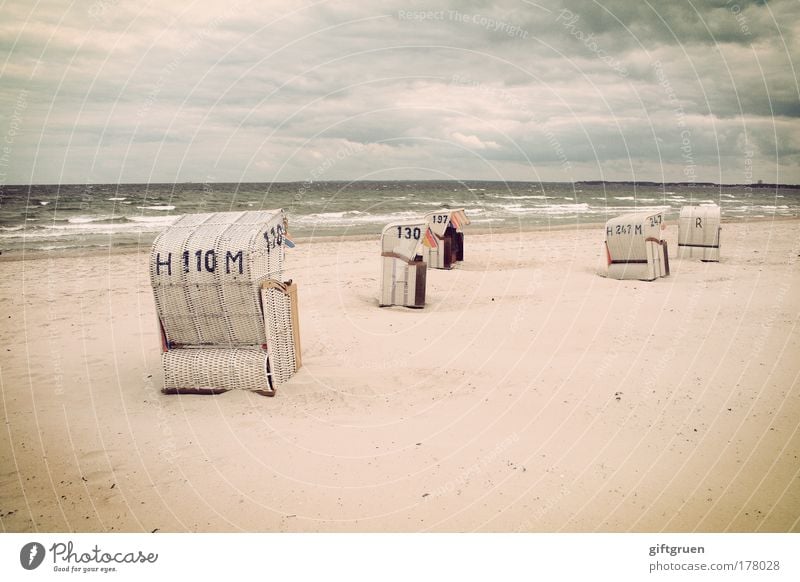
[
  {"x": 699, "y": 232},
  {"x": 634, "y": 247},
  {"x": 226, "y": 319},
  {"x": 447, "y": 226},
  {"x": 403, "y": 270}
]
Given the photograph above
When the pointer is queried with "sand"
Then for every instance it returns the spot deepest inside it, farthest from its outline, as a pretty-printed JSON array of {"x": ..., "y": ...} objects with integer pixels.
[{"x": 529, "y": 395}]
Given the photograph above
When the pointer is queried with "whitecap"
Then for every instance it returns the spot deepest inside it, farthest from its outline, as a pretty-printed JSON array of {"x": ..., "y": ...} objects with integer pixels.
[
  {"x": 87, "y": 219},
  {"x": 153, "y": 219},
  {"x": 165, "y": 207}
]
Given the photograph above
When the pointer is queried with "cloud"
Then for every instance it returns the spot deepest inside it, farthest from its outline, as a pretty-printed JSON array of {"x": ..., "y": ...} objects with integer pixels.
[
  {"x": 473, "y": 141},
  {"x": 251, "y": 91},
  {"x": 680, "y": 22}
]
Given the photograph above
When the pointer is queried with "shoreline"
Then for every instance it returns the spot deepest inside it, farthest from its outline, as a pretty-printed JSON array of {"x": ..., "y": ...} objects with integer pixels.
[{"x": 110, "y": 251}]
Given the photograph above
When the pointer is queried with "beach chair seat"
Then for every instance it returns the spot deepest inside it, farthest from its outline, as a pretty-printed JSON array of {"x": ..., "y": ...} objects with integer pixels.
[{"x": 215, "y": 370}]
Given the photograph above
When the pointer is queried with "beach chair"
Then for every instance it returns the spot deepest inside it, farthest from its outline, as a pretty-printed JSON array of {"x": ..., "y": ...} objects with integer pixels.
[
  {"x": 699, "y": 232},
  {"x": 403, "y": 270},
  {"x": 227, "y": 321},
  {"x": 634, "y": 248},
  {"x": 447, "y": 226}
]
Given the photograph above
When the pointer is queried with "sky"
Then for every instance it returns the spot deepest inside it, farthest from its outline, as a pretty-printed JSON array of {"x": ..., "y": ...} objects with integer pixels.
[{"x": 113, "y": 91}]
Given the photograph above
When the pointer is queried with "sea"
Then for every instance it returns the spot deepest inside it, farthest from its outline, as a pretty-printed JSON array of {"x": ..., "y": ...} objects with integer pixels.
[{"x": 52, "y": 218}]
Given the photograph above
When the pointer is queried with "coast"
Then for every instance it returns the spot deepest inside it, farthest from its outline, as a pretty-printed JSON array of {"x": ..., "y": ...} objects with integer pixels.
[{"x": 528, "y": 395}]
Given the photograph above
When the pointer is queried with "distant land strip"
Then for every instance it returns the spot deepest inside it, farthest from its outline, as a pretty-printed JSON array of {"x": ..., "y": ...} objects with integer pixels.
[{"x": 685, "y": 184}]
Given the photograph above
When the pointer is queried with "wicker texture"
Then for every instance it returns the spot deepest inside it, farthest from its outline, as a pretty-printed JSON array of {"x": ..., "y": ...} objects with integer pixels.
[
  {"x": 280, "y": 332},
  {"x": 216, "y": 369},
  {"x": 206, "y": 272}
]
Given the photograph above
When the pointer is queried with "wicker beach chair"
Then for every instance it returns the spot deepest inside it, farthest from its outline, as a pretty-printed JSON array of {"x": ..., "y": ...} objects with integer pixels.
[
  {"x": 227, "y": 321},
  {"x": 403, "y": 270},
  {"x": 634, "y": 247},
  {"x": 699, "y": 232},
  {"x": 447, "y": 226}
]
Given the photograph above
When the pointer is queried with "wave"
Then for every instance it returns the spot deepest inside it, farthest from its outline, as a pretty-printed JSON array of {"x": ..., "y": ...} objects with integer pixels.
[
  {"x": 334, "y": 215},
  {"x": 160, "y": 220},
  {"x": 80, "y": 226},
  {"x": 87, "y": 219},
  {"x": 486, "y": 220},
  {"x": 166, "y": 207},
  {"x": 338, "y": 219},
  {"x": 629, "y": 209},
  {"x": 771, "y": 207},
  {"x": 536, "y": 197},
  {"x": 105, "y": 227},
  {"x": 551, "y": 209},
  {"x": 580, "y": 208}
]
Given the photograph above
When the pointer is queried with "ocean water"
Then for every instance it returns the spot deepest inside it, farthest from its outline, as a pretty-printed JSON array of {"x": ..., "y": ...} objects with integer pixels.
[{"x": 52, "y": 218}]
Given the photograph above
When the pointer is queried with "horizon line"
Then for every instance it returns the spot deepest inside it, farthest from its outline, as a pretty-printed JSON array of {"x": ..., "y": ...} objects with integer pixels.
[{"x": 758, "y": 184}]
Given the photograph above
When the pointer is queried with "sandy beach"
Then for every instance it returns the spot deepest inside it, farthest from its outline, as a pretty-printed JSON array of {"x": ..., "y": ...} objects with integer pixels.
[{"x": 529, "y": 395}]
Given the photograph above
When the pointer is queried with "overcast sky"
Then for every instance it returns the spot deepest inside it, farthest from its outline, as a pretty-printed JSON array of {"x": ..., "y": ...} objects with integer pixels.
[{"x": 134, "y": 91}]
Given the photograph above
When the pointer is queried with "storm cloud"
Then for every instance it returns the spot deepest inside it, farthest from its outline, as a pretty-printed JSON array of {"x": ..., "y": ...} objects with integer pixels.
[{"x": 122, "y": 91}]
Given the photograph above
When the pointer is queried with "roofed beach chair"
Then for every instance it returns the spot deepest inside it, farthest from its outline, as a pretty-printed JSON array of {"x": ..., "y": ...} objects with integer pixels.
[
  {"x": 447, "y": 226},
  {"x": 699, "y": 232},
  {"x": 227, "y": 321},
  {"x": 403, "y": 270},
  {"x": 634, "y": 247}
]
